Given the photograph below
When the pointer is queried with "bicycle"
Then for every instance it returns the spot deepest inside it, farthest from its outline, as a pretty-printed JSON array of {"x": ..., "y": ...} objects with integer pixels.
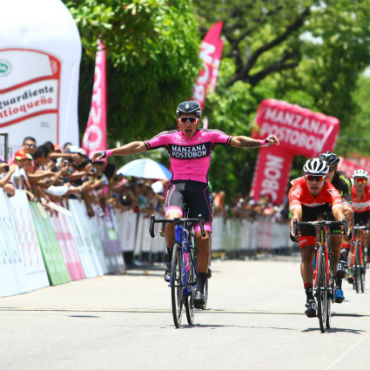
[
  {"x": 324, "y": 274},
  {"x": 358, "y": 261},
  {"x": 184, "y": 272}
]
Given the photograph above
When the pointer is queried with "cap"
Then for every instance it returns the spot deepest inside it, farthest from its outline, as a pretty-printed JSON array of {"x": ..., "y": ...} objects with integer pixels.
[
  {"x": 76, "y": 149},
  {"x": 21, "y": 154},
  {"x": 57, "y": 148}
]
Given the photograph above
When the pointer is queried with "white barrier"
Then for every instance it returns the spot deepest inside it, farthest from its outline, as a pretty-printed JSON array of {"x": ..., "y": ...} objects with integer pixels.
[
  {"x": 22, "y": 266},
  {"x": 93, "y": 247}
]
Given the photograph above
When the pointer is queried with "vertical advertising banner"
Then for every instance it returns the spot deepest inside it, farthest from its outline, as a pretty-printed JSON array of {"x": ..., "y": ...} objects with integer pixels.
[
  {"x": 95, "y": 136},
  {"x": 271, "y": 174},
  {"x": 216, "y": 65},
  {"x": 207, "y": 54}
]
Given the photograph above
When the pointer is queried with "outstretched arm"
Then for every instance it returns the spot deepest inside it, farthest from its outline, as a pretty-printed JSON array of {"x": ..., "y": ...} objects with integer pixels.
[
  {"x": 130, "y": 148},
  {"x": 248, "y": 142}
]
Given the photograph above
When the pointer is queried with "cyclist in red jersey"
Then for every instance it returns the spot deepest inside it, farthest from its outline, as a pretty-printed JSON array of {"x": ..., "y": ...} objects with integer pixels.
[
  {"x": 190, "y": 150},
  {"x": 361, "y": 205},
  {"x": 311, "y": 198}
]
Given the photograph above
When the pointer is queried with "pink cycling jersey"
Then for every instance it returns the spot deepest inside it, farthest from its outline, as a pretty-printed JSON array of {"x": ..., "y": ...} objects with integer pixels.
[{"x": 189, "y": 157}]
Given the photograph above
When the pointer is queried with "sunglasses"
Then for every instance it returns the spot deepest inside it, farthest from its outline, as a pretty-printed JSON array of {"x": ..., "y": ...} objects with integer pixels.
[
  {"x": 188, "y": 120},
  {"x": 360, "y": 181},
  {"x": 315, "y": 178},
  {"x": 31, "y": 145},
  {"x": 332, "y": 169}
]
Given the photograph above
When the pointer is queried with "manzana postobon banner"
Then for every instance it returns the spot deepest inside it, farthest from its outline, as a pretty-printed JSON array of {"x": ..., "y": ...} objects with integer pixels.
[
  {"x": 95, "y": 136},
  {"x": 211, "y": 48},
  {"x": 300, "y": 131}
]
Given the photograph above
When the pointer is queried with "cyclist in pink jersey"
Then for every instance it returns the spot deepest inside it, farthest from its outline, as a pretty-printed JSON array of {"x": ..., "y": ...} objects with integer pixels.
[{"x": 190, "y": 150}]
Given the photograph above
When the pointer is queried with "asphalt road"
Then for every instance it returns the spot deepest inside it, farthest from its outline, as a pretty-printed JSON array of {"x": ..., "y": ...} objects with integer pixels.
[{"x": 255, "y": 321}]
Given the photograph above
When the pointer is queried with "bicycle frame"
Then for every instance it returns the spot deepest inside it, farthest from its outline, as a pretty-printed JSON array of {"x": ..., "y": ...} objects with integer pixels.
[{"x": 182, "y": 237}]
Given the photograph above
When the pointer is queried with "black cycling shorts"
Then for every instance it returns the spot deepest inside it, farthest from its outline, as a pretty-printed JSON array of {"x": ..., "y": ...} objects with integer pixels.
[
  {"x": 195, "y": 194},
  {"x": 362, "y": 218},
  {"x": 317, "y": 213}
]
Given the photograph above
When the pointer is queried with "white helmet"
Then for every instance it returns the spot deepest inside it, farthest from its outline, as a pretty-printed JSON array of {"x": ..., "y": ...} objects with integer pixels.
[
  {"x": 361, "y": 173},
  {"x": 316, "y": 166}
]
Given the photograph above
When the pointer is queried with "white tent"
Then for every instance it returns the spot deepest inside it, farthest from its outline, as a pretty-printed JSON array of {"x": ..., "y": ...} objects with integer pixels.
[{"x": 40, "y": 53}]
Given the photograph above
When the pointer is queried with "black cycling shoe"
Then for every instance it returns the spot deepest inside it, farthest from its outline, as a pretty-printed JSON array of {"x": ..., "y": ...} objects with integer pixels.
[
  {"x": 199, "y": 300},
  {"x": 310, "y": 308},
  {"x": 167, "y": 273}
]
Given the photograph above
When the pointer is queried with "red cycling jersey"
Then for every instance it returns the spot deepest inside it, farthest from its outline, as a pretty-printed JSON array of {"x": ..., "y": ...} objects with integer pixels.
[
  {"x": 299, "y": 195},
  {"x": 361, "y": 205}
]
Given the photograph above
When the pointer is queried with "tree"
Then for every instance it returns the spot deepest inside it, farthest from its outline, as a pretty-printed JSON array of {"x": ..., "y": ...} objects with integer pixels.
[
  {"x": 303, "y": 51},
  {"x": 152, "y": 48}
]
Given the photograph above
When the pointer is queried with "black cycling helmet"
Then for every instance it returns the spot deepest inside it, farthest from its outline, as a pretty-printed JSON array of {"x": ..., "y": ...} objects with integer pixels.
[
  {"x": 189, "y": 107},
  {"x": 316, "y": 167},
  {"x": 330, "y": 158}
]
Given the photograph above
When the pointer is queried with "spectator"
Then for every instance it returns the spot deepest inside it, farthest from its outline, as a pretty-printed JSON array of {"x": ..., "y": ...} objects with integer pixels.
[
  {"x": 28, "y": 145},
  {"x": 6, "y": 172}
]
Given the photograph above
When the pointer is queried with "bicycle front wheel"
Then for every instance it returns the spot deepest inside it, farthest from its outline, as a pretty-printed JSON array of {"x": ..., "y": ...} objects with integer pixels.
[
  {"x": 189, "y": 298},
  {"x": 322, "y": 291},
  {"x": 176, "y": 285}
]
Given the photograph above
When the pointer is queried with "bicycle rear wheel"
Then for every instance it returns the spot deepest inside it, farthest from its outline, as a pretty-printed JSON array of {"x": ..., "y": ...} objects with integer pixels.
[
  {"x": 322, "y": 291},
  {"x": 357, "y": 281},
  {"x": 176, "y": 285}
]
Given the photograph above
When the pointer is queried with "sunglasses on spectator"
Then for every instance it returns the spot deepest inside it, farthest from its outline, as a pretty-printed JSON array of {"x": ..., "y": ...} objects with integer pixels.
[
  {"x": 359, "y": 180},
  {"x": 188, "y": 120},
  {"x": 315, "y": 178},
  {"x": 31, "y": 145}
]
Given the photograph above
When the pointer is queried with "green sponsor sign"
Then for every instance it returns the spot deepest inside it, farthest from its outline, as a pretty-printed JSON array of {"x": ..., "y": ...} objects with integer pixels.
[{"x": 49, "y": 244}]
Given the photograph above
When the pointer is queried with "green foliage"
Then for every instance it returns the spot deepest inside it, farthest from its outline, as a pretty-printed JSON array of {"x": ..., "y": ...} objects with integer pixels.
[
  {"x": 305, "y": 52},
  {"x": 152, "y": 48}
]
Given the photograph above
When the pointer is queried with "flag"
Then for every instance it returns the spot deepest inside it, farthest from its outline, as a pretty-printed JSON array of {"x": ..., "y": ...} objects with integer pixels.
[
  {"x": 95, "y": 136},
  {"x": 207, "y": 54},
  {"x": 216, "y": 65}
]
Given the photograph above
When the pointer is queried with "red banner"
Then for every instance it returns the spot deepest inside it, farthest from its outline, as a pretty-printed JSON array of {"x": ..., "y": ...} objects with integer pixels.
[
  {"x": 207, "y": 54},
  {"x": 95, "y": 136},
  {"x": 300, "y": 131},
  {"x": 271, "y": 174},
  {"x": 349, "y": 165}
]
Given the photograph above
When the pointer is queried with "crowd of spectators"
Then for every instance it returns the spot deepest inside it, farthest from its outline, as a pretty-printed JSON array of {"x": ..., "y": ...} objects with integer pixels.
[
  {"x": 52, "y": 174},
  {"x": 246, "y": 207}
]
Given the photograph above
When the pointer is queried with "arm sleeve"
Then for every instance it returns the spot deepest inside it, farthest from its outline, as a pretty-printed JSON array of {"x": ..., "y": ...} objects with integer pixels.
[
  {"x": 158, "y": 141},
  {"x": 219, "y": 137},
  {"x": 347, "y": 188},
  {"x": 294, "y": 196},
  {"x": 335, "y": 196}
]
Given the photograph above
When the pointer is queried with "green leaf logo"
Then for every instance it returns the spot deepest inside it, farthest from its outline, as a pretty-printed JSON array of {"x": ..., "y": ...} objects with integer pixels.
[{"x": 5, "y": 68}]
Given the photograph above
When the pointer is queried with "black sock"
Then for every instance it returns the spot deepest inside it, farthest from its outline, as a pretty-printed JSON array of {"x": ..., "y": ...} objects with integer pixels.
[
  {"x": 339, "y": 283},
  {"x": 309, "y": 293},
  {"x": 169, "y": 254},
  {"x": 344, "y": 254},
  {"x": 202, "y": 280}
]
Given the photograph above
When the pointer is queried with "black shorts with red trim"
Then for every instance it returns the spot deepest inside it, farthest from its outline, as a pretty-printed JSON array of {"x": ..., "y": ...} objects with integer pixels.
[{"x": 193, "y": 193}]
